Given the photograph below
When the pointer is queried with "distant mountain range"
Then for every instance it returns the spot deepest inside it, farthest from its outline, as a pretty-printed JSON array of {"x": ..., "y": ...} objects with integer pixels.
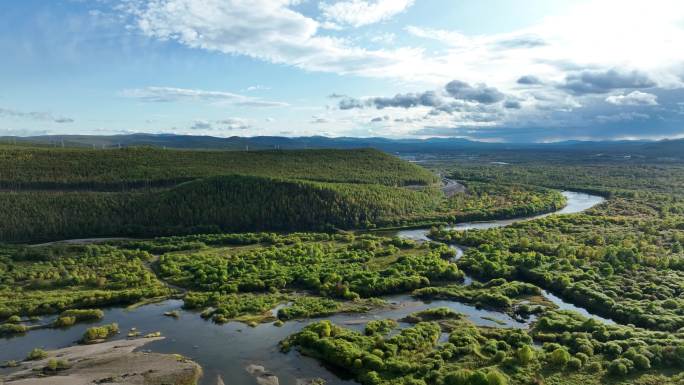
[{"x": 660, "y": 149}]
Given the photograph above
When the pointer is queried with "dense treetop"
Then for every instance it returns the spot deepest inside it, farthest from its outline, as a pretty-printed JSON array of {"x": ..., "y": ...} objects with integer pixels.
[{"x": 78, "y": 168}]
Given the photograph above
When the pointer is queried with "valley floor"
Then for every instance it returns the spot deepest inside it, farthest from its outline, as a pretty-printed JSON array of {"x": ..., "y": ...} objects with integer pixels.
[{"x": 469, "y": 306}]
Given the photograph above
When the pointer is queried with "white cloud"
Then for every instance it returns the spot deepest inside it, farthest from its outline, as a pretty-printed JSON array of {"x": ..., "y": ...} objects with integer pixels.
[
  {"x": 554, "y": 71},
  {"x": 234, "y": 124},
  {"x": 228, "y": 124},
  {"x": 172, "y": 94},
  {"x": 34, "y": 115},
  {"x": 358, "y": 13},
  {"x": 621, "y": 117},
  {"x": 383, "y": 38},
  {"x": 635, "y": 98},
  {"x": 257, "y": 87},
  {"x": 273, "y": 31},
  {"x": 607, "y": 39},
  {"x": 201, "y": 125},
  {"x": 263, "y": 29},
  {"x": 319, "y": 120}
]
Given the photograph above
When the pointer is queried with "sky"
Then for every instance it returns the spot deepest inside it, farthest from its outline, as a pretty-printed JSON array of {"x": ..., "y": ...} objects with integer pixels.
[{"x": 488, "y": 70}]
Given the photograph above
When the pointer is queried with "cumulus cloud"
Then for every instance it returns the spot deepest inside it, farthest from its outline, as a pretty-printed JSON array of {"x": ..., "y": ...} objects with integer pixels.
[
  {"x": 427, "y": 99},
  {"x": 201, "y": 125},
  {"x": 379, "y": 119},
  {"x": 357, "y": 13},
  {"x": 268, "y": 30},
  {"x": 599, "y": 82},
  {"x": 347, "y": 103},
  {"x": 454, "y": 97},
  {"x": 570, "y": 86},
  {"x": 34, "y": 115},
  {"x": 529, "y": 80},
  {"x": 173, "y": 94},
  {"x": 512, "y": 104},
  {"x": 275, "y": 31},
  {"x": 634, "y": 98},
  {"x": 480, "y": 93}
]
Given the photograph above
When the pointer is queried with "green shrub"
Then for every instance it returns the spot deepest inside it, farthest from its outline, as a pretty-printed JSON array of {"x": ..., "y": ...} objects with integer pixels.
[
  {"x": 63, "y": 321},
  {"x": 478, "y": 378},
  {"x": 641, "y": 362},
  {"x": 594, "y": 367},
  {"x": 499, "y": 356},
  {"x": 559, "y": 357},
  {"x": 495, "y": 377},
  {"x": 54, "y": 365},
  {"x": 619, "y": 367},
  {"x": 379, "y": 327},
  {"x": 525, "y": 355},
  {"x": 574, "y": 364},
  {"x": 9, "y": 329},
  {"x": 97, "y": 333},
  {"x": 612, "y": 349},
  {"x": 36, "y": 354},
  {"x": 459, "y": 377},
  {"x": 582, "y": 357},
  {"x": 83, "y": 314},
  {"x": 586, "y": 349}
]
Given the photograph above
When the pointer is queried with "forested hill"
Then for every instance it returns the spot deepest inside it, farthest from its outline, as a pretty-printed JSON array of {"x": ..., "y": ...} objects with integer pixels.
[
  {"x": 79, "y": 168},
  {"x": 56, "y": 193}
]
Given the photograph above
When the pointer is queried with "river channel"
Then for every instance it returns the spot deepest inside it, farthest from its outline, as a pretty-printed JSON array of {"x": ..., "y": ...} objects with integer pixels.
[{"x": 226, "y": 350}]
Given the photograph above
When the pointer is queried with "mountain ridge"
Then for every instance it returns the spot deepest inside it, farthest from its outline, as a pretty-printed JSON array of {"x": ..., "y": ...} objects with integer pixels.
[{"x": 661, "y": 148}]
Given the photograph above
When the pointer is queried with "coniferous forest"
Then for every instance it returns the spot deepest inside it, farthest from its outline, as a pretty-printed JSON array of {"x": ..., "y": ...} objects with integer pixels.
[{"x": 54, "y": 193}]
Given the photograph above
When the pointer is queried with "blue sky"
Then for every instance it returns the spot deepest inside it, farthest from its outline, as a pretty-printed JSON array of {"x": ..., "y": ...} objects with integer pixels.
[{"x": 494, "y": 70}]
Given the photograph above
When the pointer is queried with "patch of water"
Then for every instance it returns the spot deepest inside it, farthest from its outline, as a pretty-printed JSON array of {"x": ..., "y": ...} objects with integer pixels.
[{"x": 226, "y": 350}]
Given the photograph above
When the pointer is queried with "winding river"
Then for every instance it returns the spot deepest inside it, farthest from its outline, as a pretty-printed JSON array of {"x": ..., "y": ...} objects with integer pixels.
[{"x": 226, "y": 350}]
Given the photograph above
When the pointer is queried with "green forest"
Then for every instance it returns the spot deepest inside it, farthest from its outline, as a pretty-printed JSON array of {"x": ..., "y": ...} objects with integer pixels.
[
  {"x": 49, "y": 280},
  {"x": 622, "y": 260},
  {"x": 561, "y": 348},
  {"x": 53, "y": 193},
  {"x": 27, "y": 167}
]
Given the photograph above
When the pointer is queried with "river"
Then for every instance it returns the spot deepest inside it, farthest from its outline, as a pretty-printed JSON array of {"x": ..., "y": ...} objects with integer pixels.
[{"x": 226, "y": 350}]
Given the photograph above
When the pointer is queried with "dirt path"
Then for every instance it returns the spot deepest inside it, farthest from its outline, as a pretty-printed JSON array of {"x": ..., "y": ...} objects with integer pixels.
[
  {"x": 82, "y": 241},
  {"x": 150, "y": 267}
]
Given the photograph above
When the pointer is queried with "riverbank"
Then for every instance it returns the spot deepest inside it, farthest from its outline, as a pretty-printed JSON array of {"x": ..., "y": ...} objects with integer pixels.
[
  {"x": 227, "y": 350},
  {"x": 107, "y": 362}
]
